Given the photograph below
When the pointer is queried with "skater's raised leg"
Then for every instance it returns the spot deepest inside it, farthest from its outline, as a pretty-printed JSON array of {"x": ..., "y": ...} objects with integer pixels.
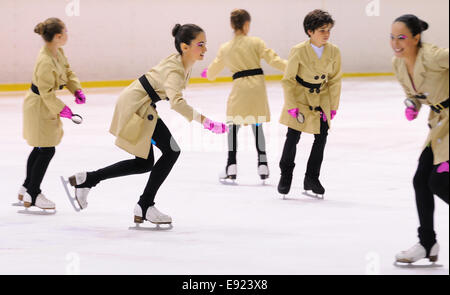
[
  {"x": 311, "y": 181},
  {"x": 287, "y": 162},
  {"x": 260, "y": 140}
]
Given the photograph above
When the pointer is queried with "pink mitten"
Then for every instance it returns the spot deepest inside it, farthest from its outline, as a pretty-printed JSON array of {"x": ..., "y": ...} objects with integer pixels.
[
  {"x": 323, "y": 116},
  {"x": 333, "y": 113},
  {"x": 443, "y": 167},
  {"x": 66, "y": 113},
  {"x": 411, "y": 113},
  {"x": 215, "y": 127},
  {"x": 293, "y": 113},
  {"x": 79, "y": 97},
  {"x": 205, "y": 73}
]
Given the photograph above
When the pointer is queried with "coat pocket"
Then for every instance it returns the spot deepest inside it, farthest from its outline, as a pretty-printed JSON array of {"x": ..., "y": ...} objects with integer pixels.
[{"x": 132, "y": 129}]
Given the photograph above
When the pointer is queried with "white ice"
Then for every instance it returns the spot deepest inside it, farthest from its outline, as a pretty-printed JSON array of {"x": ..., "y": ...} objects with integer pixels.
[{"x": 368, "y": 214}]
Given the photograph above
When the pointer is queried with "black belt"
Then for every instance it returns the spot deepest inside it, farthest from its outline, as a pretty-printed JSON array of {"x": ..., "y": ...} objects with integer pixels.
[
  {"x": 35, "y": 90},
  {"x": 440, "y": 106},
  {"x": 150, "y": 91},
  {"x": 308, "y": 85},
  {"x": 247, "y": 73}
]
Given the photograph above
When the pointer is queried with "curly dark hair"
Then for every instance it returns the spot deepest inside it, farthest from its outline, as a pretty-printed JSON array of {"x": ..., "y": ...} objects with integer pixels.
[{"x": 316, "y": 19}]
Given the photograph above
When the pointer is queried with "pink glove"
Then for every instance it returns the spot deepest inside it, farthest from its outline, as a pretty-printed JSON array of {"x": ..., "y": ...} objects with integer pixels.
[
  {"x": 333, "y": 113},
  {"x": 205, "y": 73},
  {"x": 66, "y": 113},
  {"x": 411, "y": 113},
  {"x": 293, "y": 113},
  {"x": 323, "y": 116},
  {"x": 79, "y": 97},
  {"x": 216, "y": 127},
  {"x": 443, "y": 167}
]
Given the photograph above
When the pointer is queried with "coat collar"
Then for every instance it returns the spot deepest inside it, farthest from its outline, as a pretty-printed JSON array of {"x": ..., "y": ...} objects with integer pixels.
[
  {"x": 419, "y": 73},
  {"x": 314, "y": 59}
]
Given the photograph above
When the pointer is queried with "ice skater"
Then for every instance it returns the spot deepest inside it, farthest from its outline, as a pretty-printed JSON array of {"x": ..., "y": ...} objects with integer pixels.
[
  {"x": 312, "y": 87},
  {"x": 138, "y": 127},
  {"x": 422, "y": 70},
  {"x": 42, "y": 127},
  {"x": 247, "y": 103}
]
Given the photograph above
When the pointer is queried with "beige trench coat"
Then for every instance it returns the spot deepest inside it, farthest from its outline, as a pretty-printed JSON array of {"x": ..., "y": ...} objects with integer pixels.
[
  {"x": 134, "y": 119},
  {"x": 431, "y": 80},
  {"x": 42, "y": 126},
  {"x": 304, "y": 62},
  {"x": 247, "y": 103}
]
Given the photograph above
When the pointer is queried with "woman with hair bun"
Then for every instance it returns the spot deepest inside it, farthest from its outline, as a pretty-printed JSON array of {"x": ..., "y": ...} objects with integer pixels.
[
  {"x": 138, "y": 127},
  {"x": 248, "y": 103},
  {"x": 422, "y": 70},
  {"x": 42, "y": 127}
]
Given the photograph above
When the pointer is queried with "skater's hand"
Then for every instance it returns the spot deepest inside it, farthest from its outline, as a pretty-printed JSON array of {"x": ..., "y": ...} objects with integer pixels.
[
  {"x": 79, "y": 97},
  {"x": 293, "y": 113},
  {"x": 324, "y": 117},
  {"x": 411, "y": 113},
  {"x": 205, "y": 73},
  {"x": 66, "y": 113},
  {"x": 333, "y": 114},
  {"x": 443, "y": 167},
  {"x": 216, "y": 127}
]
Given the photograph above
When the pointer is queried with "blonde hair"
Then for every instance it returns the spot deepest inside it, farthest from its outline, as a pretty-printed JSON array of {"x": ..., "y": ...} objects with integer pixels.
[{"x": 49, "y": 28}]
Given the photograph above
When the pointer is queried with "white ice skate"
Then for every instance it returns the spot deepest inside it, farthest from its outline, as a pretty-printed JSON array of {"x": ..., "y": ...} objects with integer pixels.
[
  {"x": 416, "y": 253},
  {"x": 21, "y": 193},
  {"x": 81, "y": 194},
  {"x": 263, "y": 172},
  {"x": 229, "y": 175},
  {"x": 42, "y": 202},
  {"x": 153, "y": 215}
]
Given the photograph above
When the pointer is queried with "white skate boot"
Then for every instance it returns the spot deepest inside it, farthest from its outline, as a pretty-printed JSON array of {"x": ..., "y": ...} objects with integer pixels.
[
  {"x": 416, "y": 253},
  {"x": 41, "y": 202},
  {"x": 263, "y": 172},
  {"x": 153, "y": 215},
  {"x": 80, "y": 193},
  {"x": 229, "y": 175},
  {"x": 21, "y": 193}
]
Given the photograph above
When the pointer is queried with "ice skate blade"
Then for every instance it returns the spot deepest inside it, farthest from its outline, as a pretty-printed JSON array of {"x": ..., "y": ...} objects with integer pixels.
[
  {"x": 18, "y": 204},
  {"x": 43, "y": 212},
  {"x": 414, "y": 265},
  {"x": 158, "y": 227},
  {"x": 228, "y": 181},
  {"x": 73, "y": 201},
  {"x": 312, "y": 195}
]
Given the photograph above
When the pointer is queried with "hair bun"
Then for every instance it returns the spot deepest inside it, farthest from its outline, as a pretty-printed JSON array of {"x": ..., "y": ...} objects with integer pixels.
[
  {"x": 176, "y": 29},
  {"x": 39, "y": 29},
  {"x": 424, "y": 25}
]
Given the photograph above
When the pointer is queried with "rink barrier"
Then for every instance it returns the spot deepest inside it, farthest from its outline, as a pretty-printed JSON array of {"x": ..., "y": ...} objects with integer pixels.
[{"x": 124, "y": 83}]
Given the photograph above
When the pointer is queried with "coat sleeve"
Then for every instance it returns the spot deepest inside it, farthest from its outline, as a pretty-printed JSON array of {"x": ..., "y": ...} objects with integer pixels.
[
  {"x": 73, "y": 83},
  {"x": 441, "y": 57},
  {"x": 335, "y": 82},
  {"x": 289, "y": 82},
  {"x": 173, "y": 86},
  {"x": 216, "y": 66},
  {"x": 46, "y": 78},
  {"x": 271, "y": 57}
]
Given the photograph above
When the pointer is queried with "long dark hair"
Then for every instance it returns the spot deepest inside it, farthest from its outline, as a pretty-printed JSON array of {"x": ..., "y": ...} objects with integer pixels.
[
  {"x": 185, "y": 34},
  {"x": 414, "y": 24}
]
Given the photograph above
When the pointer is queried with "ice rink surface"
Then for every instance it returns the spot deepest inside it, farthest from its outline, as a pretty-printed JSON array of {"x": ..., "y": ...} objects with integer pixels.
[{"x": 368, "y": 214}]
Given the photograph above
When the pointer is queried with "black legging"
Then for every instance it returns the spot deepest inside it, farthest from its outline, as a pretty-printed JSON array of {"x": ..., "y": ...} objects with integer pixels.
[
  {"x": 260, "y": 142},
  {"x": 427, "y": 182},
  {"x": 287, "y": 162},
  {"x": 37, "y": 165},
  {"x": 170, "y": 152}
]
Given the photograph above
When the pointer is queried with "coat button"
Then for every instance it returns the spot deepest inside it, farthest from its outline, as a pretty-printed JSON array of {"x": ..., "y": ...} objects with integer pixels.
[
  {"x": 323, "y": 77},
  {"x": 311, "y": 90},
  {"x": 316, "y": 77},
  {"x": 439, "y": 140},
  {"x": 317, "y": 90},
  {"x": 150, "y": 117}
]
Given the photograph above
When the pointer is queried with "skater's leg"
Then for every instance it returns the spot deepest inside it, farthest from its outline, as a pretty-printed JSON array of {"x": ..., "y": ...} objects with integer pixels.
[
  {"x": 30, "y": 162},
  {"x": 260, "y": 141},
  {"x": 170, "y": 153},
  {"x": 38, "y": 170},
  {"x": 232, "y": 144},
  {"x": 287, "y": 162},
  {"x": 425, "y": 199},
  {"x": 316, "y": 157}
]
